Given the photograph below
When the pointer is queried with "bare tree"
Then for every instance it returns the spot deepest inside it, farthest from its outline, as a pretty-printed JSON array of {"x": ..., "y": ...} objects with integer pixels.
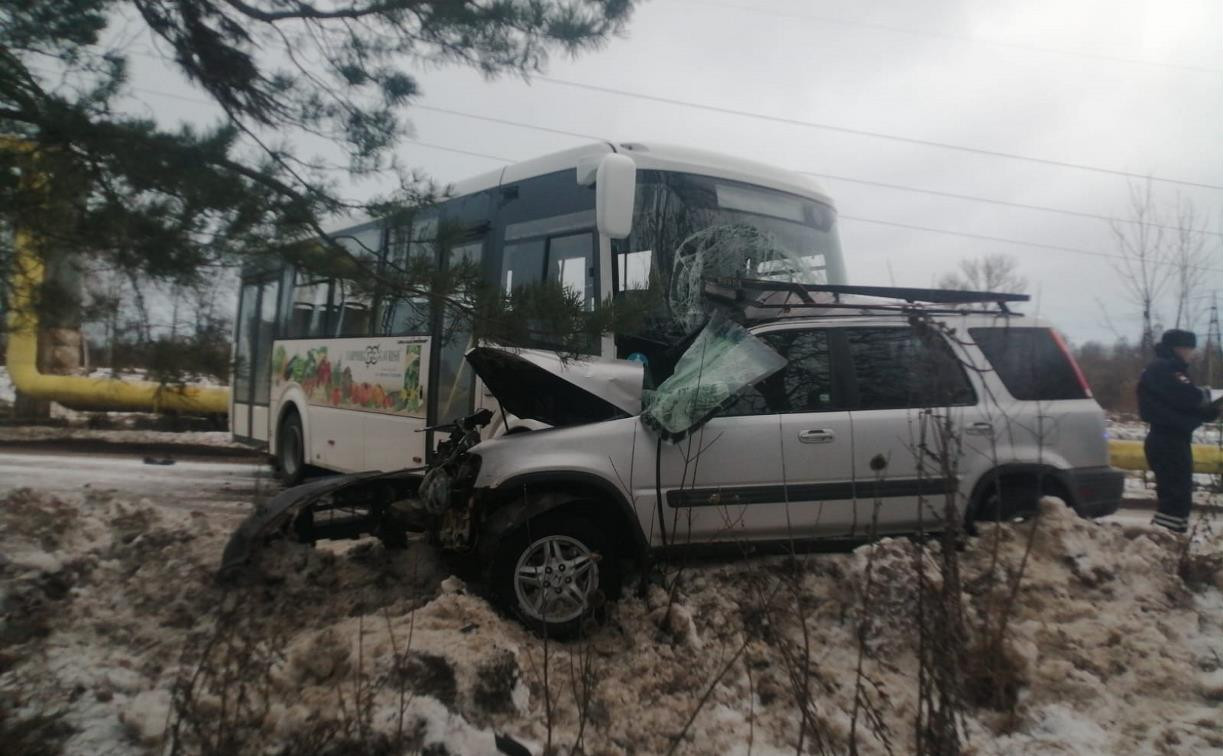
[
  {"x": 1142, "y": 264},
  {"x": 1190, "y": 259},
  {"x": 997, "y": 272}
]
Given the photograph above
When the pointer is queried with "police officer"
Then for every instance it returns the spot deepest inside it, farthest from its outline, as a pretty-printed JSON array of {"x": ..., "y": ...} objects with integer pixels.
[{"x": 1174, "y": 408}]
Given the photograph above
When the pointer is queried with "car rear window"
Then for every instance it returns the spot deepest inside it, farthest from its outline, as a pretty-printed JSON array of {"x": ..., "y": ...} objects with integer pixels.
[
  {"x": 1031, "y": 363},
  {"x": 900, "y": 368}
]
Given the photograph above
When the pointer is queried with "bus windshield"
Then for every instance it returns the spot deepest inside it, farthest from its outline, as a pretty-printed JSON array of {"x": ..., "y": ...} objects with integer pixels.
[{"x": 688, "y": 227}]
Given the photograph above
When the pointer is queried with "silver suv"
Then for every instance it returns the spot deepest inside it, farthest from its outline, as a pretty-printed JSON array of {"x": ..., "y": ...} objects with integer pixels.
[{"x": 798, "y": 413}]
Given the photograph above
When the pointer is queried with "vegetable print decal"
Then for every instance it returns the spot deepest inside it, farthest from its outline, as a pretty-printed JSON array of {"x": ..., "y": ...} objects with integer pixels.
[{"x": 374, "y": 375}]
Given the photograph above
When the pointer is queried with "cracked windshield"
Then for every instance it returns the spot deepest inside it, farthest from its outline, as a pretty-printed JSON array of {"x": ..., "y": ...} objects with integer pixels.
[{"x": 688, "y": 228}]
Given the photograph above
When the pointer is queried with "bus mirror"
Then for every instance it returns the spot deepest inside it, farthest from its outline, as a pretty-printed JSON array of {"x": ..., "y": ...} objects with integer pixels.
[{"x": 615, "y": 190}]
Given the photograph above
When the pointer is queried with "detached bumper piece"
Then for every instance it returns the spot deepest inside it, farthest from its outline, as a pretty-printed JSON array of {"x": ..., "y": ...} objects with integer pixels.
[{"x": 337, "y": 507}]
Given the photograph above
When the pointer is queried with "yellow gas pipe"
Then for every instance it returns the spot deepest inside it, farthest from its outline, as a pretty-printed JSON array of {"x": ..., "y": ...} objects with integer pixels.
[
  {"x": 79, "y": 392},
  {"x": 1128, "y": 455}
]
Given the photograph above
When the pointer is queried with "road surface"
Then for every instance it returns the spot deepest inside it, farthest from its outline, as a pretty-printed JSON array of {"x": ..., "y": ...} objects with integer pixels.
[{"x": 228, "y": 487}]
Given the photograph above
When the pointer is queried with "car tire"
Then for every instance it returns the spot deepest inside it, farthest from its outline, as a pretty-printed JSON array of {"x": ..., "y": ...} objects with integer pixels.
[
  {"x": 291, "y": 450},
  {"x": 1022, "y": 500},
  {"x": 554, "y": 572}
]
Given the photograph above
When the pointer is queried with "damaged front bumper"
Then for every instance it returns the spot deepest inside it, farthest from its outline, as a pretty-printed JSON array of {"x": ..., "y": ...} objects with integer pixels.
[
  {"x": 340, "y": 506},
  {"x": 385, "y": 505}
]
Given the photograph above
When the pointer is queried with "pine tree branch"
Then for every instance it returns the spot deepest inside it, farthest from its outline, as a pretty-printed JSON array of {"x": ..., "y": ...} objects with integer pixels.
[{"x": 305, "y": 11}]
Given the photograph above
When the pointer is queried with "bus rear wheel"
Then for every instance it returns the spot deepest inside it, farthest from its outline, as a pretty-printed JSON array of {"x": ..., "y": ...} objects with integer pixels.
[{"x": 290, "y": 450}]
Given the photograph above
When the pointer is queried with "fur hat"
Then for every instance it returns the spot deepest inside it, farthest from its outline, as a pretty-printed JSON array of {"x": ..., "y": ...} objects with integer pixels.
[{"x": 1175, "y": 337}]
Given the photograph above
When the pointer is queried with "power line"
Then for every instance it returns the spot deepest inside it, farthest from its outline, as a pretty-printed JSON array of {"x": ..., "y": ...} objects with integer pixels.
[
  {"x": 901, "y": 187},
  {"x": 959, "y": 37},
  {"x": 507, "y": 122},
  {"x": 813, "y": 125},
  {"x": 484, "y": 155},
  {"x": 1003, "y": 240},
  {"x": 991, "y": 201},
  {"x": 872, "y": 134},
  {"x": 418, "y": 142},
  {"x": 875, "y": 221}
]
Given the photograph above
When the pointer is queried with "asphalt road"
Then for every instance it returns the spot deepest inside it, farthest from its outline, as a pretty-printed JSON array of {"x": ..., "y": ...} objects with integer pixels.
[{"x": 228, "y": 487}]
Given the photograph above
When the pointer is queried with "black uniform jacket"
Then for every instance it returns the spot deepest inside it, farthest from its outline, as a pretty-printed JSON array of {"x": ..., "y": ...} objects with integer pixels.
[{"x": 1167, "y": 397}]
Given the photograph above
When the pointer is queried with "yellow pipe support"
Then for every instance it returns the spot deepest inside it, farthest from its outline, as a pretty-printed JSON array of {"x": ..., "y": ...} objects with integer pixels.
[
  {"x": 1128, "y": 455},
  {"x": 79, "y": 392}
]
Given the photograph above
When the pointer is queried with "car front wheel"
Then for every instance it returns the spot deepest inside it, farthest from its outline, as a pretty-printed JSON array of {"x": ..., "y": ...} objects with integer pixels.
[{"x": 554, "y": 572}]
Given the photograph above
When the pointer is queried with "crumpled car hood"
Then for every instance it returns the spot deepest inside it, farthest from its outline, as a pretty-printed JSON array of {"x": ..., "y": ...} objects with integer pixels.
[{"x": 539, "y": 385}]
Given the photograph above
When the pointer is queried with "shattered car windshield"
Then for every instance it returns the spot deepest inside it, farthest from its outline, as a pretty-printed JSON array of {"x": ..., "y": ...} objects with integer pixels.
[
  {"x": 722, "y": 361},
  {"x": 690, "y": 227}
]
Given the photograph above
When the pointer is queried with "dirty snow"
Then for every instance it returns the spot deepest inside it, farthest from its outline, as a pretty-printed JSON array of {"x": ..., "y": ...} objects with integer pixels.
[
  {"x": 8, "y": 393},
  {"x": 110, "y": 612},
  {"x": 185, "y": 483},
  {"x": 1136, "y": 430},
  {"x": 1140, "y": 486},
  {"x": 44, "y": 433}
]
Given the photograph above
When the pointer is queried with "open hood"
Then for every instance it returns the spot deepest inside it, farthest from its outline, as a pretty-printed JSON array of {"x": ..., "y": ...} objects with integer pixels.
[{"x": 539, "y": 385}]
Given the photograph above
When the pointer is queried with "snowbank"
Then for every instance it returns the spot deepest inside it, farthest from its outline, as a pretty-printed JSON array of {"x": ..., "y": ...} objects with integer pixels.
[
  {"x": 110, "y": 611},
  {"x": 8, "y": 392},
  {"x": 1136, "y": 430}
]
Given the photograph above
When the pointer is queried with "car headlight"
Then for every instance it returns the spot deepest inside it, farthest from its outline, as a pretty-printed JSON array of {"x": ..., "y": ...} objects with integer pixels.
[
  {"x": 468, "y": 470},
  {"x": 435, "y": 490}
]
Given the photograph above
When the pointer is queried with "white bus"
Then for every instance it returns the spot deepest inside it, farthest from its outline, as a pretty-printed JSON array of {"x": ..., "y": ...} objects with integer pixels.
[{"x": 329, "y": 377}]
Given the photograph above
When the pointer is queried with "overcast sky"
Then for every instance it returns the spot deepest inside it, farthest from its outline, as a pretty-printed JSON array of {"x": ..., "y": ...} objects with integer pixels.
[{"x": 1122, "y": 85}]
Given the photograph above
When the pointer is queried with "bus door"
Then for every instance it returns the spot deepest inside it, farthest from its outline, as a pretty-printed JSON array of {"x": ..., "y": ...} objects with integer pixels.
[
  {"x": 454, "y": 383},
  {"x": 255, "y": 330}
]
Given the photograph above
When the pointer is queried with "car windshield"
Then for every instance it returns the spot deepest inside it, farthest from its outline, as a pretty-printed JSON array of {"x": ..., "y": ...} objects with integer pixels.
[{"x": 688, "y": 228}]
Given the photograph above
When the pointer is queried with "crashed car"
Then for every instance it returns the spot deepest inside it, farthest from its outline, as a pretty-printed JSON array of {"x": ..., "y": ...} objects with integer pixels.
[{"x": 826, "y": 416}]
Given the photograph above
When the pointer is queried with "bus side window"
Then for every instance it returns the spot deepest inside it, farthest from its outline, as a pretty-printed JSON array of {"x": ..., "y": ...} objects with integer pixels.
[
  {"x": 404, "y": 316},
  {"x": 352, "y": 310},
  {"x": 571, "y": 264},
  {"x": 523, "y": 264},
  {"x": 411, "y": 246},
  {"x": 308, "y": 316},
  {"x": 352, "y": 302},
  {"x": 636, "y": 257},
  {"x": 633, "y": 270}
]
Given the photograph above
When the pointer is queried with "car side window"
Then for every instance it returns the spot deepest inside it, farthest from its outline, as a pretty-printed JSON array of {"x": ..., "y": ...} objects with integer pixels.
[
  {"x": 805, "y": 384},
  {"x": 901, "y": 368}
]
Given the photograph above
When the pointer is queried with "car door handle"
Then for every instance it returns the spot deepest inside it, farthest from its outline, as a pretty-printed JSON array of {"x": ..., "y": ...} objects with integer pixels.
[
  {"x": 817, "y": 436},
  {"x": 980, "y": 429}
]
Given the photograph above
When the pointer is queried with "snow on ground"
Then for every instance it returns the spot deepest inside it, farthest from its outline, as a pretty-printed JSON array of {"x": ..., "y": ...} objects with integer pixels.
[
  {"x": 111, "y": 613},
  {"x": 1136, "y": 430},
  {"x": 8, "y": 393},
  {"x": 1140, "y": 486},
  {"x": 209, "y": 485}
]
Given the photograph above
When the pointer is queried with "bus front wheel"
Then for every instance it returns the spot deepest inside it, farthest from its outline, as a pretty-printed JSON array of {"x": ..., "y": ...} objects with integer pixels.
[{"x": 290, "y": 450}]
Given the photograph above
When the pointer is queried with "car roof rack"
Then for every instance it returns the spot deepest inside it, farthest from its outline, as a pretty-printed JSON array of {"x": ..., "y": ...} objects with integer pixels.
[{"x": 756, "y": 293}]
